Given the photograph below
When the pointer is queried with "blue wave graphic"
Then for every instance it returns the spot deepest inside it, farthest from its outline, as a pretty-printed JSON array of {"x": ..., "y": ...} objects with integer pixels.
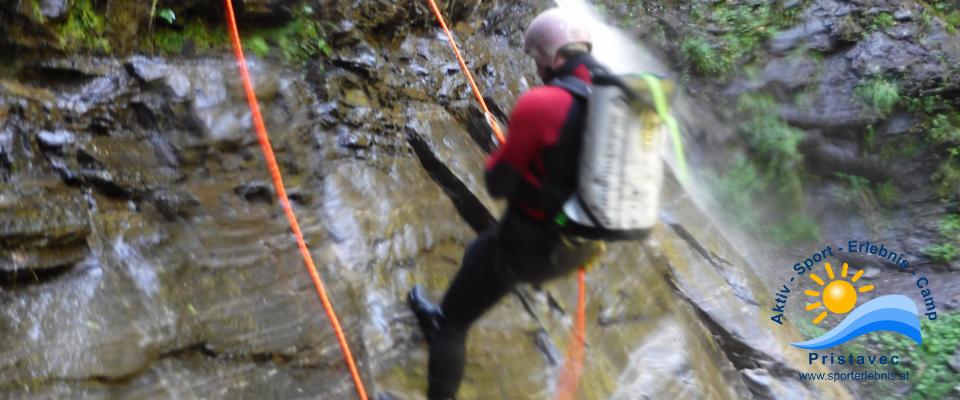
[{"x": 896, "y": 313}]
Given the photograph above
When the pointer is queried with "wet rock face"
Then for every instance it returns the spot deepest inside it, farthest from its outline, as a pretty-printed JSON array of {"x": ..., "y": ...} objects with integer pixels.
[
  {"x": 822, "y": 68},
  {"x": 41, "y": 229},
  {"x": 139, "y": 181}
]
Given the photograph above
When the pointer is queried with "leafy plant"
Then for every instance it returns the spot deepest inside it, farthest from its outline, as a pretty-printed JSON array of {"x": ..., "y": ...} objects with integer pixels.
[
  {"x": 880, "y": 95},
  {"x": 258, "y": 46},
  {"x": 950, "y": 230},
  {"x": 950, "y": 226},
  {"x": 84, "y": 28},
  {"x": 167, "y": 15},
  {"x": 945, "y": 129},
  {"x": 741, "y": 28},
  {"x": 928, "y": 364},
  {"x": 948, "y": 175},
  {"x": 700, "y": 53},
  {"x": 882, "y": 20},
  {"x": 743, "y": 191},
  {"x": 856, "y": 191},
  {"x": 887, "y": 194},
  {"x": 769, "y": 187},
  {"x": 943, "y": 252},
  {"x": 797, "y": 228},
  {"x": 300, "y": 40},
  {"x": 928, "y": 104},
  {"x": 736, "y": 190},
  {"x": 774, "y": 140}
]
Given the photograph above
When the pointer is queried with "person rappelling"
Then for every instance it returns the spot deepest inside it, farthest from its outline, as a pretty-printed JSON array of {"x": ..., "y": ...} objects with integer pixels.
[{"x": 581, "y": 166}]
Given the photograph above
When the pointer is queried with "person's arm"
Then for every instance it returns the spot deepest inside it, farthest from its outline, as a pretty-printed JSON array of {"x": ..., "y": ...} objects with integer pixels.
[{"x": 507, "y": 165}]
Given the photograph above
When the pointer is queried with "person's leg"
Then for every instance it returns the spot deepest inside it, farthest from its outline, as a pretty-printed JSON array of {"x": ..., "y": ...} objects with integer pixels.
[{"x": 476, "y": 288}]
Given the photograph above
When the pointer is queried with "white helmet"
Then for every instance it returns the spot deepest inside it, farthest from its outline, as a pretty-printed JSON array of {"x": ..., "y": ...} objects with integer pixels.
[{"x": 550, "y": 31}]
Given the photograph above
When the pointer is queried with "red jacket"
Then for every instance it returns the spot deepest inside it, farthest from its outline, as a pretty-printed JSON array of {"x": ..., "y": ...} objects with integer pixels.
[{"x": 519, "y": 168}]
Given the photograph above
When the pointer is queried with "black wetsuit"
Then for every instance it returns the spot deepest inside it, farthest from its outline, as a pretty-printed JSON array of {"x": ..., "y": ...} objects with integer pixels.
[{"x": 536, "y": 171}]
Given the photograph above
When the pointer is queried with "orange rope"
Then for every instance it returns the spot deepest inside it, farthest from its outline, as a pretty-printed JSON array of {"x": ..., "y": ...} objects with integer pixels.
[
  {"x": 573, "y": 366},
  {"x": 261, "y": 131},
  {"x": 466, "y": 72}
]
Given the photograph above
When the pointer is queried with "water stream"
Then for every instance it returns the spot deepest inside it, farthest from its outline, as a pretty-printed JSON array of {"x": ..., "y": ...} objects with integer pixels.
[{"x": 171, "y": 273}]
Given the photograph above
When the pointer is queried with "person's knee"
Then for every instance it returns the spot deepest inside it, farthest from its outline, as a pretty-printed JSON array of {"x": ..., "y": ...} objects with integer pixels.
[{"x": 482, "y": 245}]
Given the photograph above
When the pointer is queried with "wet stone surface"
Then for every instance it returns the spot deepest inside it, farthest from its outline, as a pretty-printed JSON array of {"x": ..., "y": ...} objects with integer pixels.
[{"x": 179, "y": 277}]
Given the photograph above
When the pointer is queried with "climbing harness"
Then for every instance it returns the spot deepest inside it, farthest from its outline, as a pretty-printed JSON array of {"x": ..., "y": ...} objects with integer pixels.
[
  {"x": 573, "y": 366},
  {"x": 274, "y": 169}
]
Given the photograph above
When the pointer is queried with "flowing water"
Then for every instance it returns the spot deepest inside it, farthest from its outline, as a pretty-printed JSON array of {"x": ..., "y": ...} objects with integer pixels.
[{"x": 170, "y": 272}]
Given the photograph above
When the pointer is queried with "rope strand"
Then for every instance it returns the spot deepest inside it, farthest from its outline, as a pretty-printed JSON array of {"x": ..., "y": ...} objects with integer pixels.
[
  {"x": 274, "y": 169},
  {"x": 466, "y": 72},
  {"x": 573, "y": 366}
]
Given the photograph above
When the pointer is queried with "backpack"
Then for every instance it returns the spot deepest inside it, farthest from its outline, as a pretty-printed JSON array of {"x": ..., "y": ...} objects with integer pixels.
[{"x": 620, "y": 172}]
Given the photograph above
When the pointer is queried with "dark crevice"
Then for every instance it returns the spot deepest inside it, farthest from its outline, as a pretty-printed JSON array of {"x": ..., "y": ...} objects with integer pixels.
[
  {"x": 201, "y": 349},
  {"x": 547, "y": 347},
  {"x": 739, "y": 353},
  {"x": 621, "y": 320},
  {"x": 468, "y": 206},
  {"x": 526, "y": 305},
  {"x": 742, "y": 356},
  {"x": 53, "y": 77},
  {"x": 12, "y": 279},
  {"x": 718, "y": 263},
  {"x": 555, "y": 304},
  {"x": 541, "y": 339},
  {"x": 475, "y": 122}
]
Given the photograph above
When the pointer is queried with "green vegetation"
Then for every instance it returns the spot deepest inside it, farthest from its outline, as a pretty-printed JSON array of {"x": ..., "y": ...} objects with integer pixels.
[
  {"x": 887, "y": 194},
  {"x": 258, "y": 45},
  {"x": 195, "y": 33},
  {"x": 861, "y": 194},
  {"x": 880, "y": 21},
  {"x": 880, "y": 95},
  {"x": 298, "y": 41},
  {"x": 856, "y": 191},
  {"x": 948, "y": 11},
  {"x": 945, "y": 129},
  {"x": 745, "y": 193},
  {"x": 737, "y": 189},
  {"x": 950, "y": 231},
  {"x": 944, "y": 133},
  {"x": 36, "y": 10},
  {"x": 953, "y": 21},
  {"x": 84, "y": 28},
  {"x": 943, "y": 252},
  {"x": 700, "y": 53},
  {"x": 743, "y": 27},
  {"x": 750, "y": 189},
  {"x": 930, "y": 373},
  {"x": 929, "y": 104},
  {"x": 167, "y": 15},
  {"x": 948, "y": 175},
  {"x": 774, "y": 141}
]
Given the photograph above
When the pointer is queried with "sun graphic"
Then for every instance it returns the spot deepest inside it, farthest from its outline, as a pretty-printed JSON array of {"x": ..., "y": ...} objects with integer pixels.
[{"x": 839, "y": 296}]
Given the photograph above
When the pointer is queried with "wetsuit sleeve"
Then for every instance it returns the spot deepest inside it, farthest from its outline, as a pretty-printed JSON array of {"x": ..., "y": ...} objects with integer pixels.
[{"x": 507, "y": 165}]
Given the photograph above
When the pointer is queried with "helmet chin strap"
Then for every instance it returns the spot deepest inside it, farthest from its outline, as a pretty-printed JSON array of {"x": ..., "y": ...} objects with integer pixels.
[
  {"x": 571, "y": 64},
  {"x": 548, "y": 74}
]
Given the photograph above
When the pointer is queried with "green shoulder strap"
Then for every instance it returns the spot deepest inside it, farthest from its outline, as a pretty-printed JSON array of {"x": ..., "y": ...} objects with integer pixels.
[{"x": 660, "y": 103}]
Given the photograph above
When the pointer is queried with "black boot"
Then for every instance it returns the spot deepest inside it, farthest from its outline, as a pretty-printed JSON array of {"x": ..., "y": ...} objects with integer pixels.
[{"x": 428, "y": 314}]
